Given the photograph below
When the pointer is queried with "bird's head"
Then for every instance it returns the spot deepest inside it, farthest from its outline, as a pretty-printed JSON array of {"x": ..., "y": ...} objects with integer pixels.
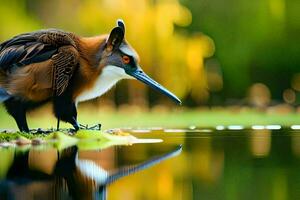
[{"x": 124, "y": 61}]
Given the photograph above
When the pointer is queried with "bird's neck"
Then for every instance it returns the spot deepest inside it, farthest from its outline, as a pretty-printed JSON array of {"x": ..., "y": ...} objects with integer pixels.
[
  {"x": 90, "y": 50},
  {"x": 109, "y": 76}
]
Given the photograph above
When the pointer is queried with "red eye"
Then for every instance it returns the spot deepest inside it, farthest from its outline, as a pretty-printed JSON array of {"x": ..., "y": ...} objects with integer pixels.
[{"x": 126, "y": 59}]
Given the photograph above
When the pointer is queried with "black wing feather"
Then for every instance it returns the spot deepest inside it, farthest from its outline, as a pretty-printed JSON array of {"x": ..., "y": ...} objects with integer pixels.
[
  {"x": 43, "y": 55},
  {"x": 25, "y": 49},
  {"x": 39, "y": 46}
]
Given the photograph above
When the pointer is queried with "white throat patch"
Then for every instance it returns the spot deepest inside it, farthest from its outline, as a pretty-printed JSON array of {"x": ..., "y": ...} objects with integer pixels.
[{"x": 109, "y": 76}]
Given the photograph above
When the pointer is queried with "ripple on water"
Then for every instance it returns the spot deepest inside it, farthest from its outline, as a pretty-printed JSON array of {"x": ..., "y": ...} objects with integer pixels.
[
  {"x": 220, "y": 127},
  {"x": 295, "y": 127},
  {"x": 258, "y": 127},
  {"x": 273, "y": 127},
  {"x": 235, "y": 127},
  {"x": 141, "y": 131}
]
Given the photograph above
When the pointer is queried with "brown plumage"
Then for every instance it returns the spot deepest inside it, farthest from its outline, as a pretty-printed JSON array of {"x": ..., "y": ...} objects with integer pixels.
[
  {"x": 60, "y": 66},
  {"x": 40, "y": 81},
  {"x": 38, "y": 66}
]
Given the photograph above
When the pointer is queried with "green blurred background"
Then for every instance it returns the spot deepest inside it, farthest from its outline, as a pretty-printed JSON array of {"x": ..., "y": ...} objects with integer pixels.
[{"x": 211, "y": 53}]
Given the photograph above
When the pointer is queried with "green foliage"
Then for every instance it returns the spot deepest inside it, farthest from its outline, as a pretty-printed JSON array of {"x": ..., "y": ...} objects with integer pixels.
[
  {"x": 15, "y": 135},
  {"x": 15, "y": 19},
  {"x": 256, "y": 41}
]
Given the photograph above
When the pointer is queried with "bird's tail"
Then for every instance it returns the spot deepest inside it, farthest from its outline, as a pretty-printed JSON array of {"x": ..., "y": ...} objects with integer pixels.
[{"x": 4, "y": 95}]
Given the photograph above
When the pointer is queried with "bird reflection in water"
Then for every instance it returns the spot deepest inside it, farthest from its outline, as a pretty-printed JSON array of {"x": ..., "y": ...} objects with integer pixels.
[{"x": 70, "y": 174}]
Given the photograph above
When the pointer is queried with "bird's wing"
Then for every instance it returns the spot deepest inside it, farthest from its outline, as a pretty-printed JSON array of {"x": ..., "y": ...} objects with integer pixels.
[
  {"x": 64, "y": 62},
  {"x": 39, "y": 46}
]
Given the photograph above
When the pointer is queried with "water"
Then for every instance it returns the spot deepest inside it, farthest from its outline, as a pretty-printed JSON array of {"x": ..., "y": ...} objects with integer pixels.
[{"x": 189, "y": 164}]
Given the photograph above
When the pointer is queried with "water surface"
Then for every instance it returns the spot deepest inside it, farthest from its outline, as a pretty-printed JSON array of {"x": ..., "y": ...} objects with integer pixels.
[{"x": 189, "y": 164}]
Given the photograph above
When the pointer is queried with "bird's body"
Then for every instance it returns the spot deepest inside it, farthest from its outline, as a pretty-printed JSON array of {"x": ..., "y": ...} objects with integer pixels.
[
  {"x": 53, "y": 65},
  {"x": 35, "y": 81}
]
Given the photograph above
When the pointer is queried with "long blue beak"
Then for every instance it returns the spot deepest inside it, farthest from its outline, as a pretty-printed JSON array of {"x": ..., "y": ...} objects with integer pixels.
[{"x": 143, "y": 77}]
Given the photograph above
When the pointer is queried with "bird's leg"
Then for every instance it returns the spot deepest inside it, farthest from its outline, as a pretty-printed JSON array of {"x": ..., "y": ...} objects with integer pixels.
[
  {"x": 73, "y": 119},
  {"x": 17, "y": 110},
  {"x": 65, "y": 110},
  {"x": 74, "y": 123},
  {"x": 24, "y": 123},
  {"x": 21, "y": 121},
  {"x": 57, "y": 126}
]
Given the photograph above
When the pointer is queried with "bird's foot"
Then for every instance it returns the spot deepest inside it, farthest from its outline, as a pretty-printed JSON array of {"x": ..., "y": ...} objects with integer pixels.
[
  {"x": 96, "y": 127},
  {"x": 83, "y": 126},
  {"x": 72, "y": 130},
  {"x": 41, "y": 131}
]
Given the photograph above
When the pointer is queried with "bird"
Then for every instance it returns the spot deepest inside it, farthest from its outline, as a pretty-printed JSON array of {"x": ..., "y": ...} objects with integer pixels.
[{"x": 65, "y": 69}]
